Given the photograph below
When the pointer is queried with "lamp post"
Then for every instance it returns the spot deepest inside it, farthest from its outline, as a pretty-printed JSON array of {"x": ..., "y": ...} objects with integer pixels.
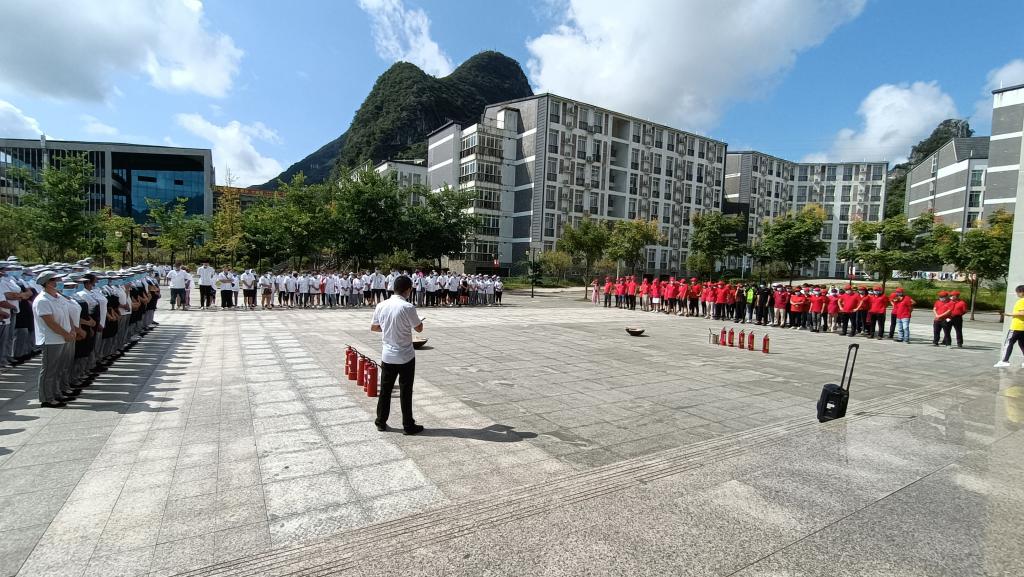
[
  {"x": 145, "y": 242},
  {"x": 119, "y": 234}
]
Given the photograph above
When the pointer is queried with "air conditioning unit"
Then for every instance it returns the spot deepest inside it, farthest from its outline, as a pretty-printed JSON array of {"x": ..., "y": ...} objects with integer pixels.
[{"x": 590, "y": 158}]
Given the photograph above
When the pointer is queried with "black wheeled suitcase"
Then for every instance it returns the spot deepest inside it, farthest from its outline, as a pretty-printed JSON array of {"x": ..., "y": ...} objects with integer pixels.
[{"x": 834, "y": 398}]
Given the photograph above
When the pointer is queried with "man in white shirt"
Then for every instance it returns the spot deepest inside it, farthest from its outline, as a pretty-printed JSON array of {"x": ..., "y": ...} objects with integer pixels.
[
  {"x": 395, "y": 319},
  {"x": 358, "y": 291},
  {"x": 176, "y": 278},
  {"x": 453, "y": 289},
  {"x": 53, "y": 332},
  {"x": 207, "y": 275},
  {"x": 226, "y": 284},
  {"x": 11, "y": 295},
  {"x": 248, "y": 282},
  {"x": 389, "y": 282}
]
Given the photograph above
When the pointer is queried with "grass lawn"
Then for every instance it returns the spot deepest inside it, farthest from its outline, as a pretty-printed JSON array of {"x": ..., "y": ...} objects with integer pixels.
[{"x": 518, "y": 282}]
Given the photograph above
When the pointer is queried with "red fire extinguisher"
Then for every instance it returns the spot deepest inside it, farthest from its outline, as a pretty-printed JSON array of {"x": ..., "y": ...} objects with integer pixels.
[
  {"x": 721, "y": 338},
  {"x": 750, "y": 341},
  {"x": 371, "y": 379},
  {"x": 350, "y": 360},
  {"x": 742, "y": 339},
  {"x": 732, "y": 337},
  {"x": 360, "y": 370},
  {"x": 764, "y": 344}
]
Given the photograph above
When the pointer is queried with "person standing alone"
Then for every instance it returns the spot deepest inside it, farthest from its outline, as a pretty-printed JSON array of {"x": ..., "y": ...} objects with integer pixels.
[{"x": 396, "y": 318}]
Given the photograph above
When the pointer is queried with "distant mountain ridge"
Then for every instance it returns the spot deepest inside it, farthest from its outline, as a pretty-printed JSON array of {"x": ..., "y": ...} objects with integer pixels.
[{"x": 406, "y": 104}]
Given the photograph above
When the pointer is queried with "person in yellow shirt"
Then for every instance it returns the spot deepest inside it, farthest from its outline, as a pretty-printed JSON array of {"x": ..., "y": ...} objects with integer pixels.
[{"x": 1016, "y": 335}]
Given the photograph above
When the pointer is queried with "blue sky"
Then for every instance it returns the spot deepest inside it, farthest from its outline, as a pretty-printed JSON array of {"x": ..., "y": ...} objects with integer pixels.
[{"x": 265, "y": 83}]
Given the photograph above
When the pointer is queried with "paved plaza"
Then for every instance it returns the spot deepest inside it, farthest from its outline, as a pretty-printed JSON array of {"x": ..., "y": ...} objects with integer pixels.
[{"x": 227, "y": 443}]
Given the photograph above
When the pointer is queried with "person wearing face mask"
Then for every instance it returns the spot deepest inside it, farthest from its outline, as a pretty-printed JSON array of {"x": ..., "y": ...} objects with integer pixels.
[
  {"x": 207, "y": 276},
  {"x": 248, "y": 281},
  {"x": 87, "y": 322},
  {"x": 21, "y": 322},
  {"x": 176, "y": 279},
  {"x": 55, "y": 332},
  {"x": 91, "y": 283},
  {"x": 395, "y": 319},
  {"x": 878, "y": 304},
  {"x": 956, "y": 317},
  {"x": 11, "y": 295},
  {"x": 73, "y": 309},
  {"x": 943, "y": 310}
]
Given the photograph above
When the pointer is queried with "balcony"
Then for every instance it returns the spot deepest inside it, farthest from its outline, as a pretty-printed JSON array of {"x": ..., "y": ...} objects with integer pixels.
[
  {"x": 487, "y": 231},
  {"x": 485, "y": 204}
]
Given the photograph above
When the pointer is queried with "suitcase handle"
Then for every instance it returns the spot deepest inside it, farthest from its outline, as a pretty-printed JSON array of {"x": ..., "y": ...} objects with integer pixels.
[{"x": 851, "y": 351}]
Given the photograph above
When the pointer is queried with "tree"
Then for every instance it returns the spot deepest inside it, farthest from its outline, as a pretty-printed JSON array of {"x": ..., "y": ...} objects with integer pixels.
[
  {"x": 892, "y": 244},
  {"x": 226, "y": 227},
  {"x": 556, "y": 262},
  {"x": 714, "y": 238},
  {"x": 793, "y": 239},
  {"x": 13, "y": 233},
  {"x": 587, "y": 241},
  {"x": 179, "y": 232},
  {"x": 55, "y": 207},
  {"x": 368, "y": 215},
  {"x": 109, "y": 225},
  {"x": 980, "y": 253},
  {"x": 440, "y": 225},
  {"x": 628, "y": 240}
]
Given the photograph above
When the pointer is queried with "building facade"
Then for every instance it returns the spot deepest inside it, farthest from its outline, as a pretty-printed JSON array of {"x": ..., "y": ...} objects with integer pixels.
[
  {"x": 542, "y": 163},
  {"x": 1005, "y": 186},
  {"x": 760, "y": 187},
  {"x": 952, "y": 183},
  {"x": 124, "y": 175},
  {"x": 408, "y": 173}
]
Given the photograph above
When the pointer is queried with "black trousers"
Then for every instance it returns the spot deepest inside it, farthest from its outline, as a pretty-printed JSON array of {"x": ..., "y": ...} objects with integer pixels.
[
  {"x": 1016, "y": 337},
  {"x": 892, "y": 324},
  {"x": 844, "y": 322},
  {"x": 205, "y": 295},
  {"x": 876, "y": 322},
  {"x": 227, "y": 298},
  {"x": 405, "y": 373},
  {"x": 860, "y": 322},
  {"x": 762, "y": 314},
  {"x": 177, "y": 297},
  {"x": 940, "y": 327},
  {"x": 958, "y": 328}
]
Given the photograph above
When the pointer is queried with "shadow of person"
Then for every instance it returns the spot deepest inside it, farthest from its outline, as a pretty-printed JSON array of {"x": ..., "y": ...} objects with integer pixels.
[{"x": 493, "y": 433}]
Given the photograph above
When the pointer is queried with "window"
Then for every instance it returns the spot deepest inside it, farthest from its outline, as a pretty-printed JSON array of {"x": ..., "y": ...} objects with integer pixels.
[
  {"x": 549, "y": 196},
  {"x": 686, "y": 216},
  {"x": 636, "y": 132},
  {"x": 844, "y": 212},
  {"x": 595, "y": 176},
  {"x": 830, "y": 193},
  {"x": 632, "y": 184},
  {"x": 700, "y": 173},
  {"x": 689, "y": 145},
  {"x": 700, "y": 149},
  {"x": 141, "y": 178},
  {"x": 974, "y": 199},
  {"x": 657, "y": 164},
  {"x": 593, "y": 203},
  {"x": 845, "y": 197},
  {"x": 634, "y": 159},
  {"x": 181, "y": 182},
  {"x": 873, "y": 212},
  {"x": 973, "y": 219},
  {"x": 876, "y": 172},
  {"x": 876, "y": 193},
  {"x": 689, "y": 170},
  {"x": 666, "y": 216},
  {"x": 659, "y": 137},
  {"x": 596, "y": 152},
  {"x": 699, "y": 195},
  {"x": 577, "y": 205},
  {"x": 801, "y": 194},
  {"x": 553, "y": 141},
  {"x": 655, "y": 188},
  {"x": 935, "y": 164},
  {"x": 802, "y": 177},
  {"x": 671, "y": 143},
  {"x": 654, "y": 210},
  {"x": 977, "y": 178},
  {"x": 844, "y": 232},
  {"x": 830, "y": 173},
  {"x": 669, "y": 163},
  {"x": 598, "y": 122},
  {"x": 552, "y": 169},
  {"x": 488, "y": 225},
  {"x": 847, "y": 172},
  {"x": 553, "y": 116},
  {"x": 688, "y": 193},
  {"x": 549, "y": 225},
  {"x": 581, "y": 147},
  {"x": 631, "y": 214},
  {"x": 826, "y": 232},
  {"x": 580, "y": 177}
]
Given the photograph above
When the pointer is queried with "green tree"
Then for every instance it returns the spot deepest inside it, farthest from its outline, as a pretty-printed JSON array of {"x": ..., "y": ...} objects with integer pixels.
[
  {"x": 892, "y": 244},
  {"x": 586, "y": 241},
  {"x": 265, "y": 232},
  {"x": 115, "y": 245},
  {"x": 369, "y": 215},
  {"x": 227, "y": 226},
  {"x": 14, "y": 235},
  {"x": 556, "y": 262},
  {"x": 179, "y": 232},
  {"x": 440, "y": 225},
  {"x": 982, "y": 254},
  {"x": 713, "y": 239},
  {"x": 55, "y": 207},
  {"x": 793, "y": 239},
  {"x": 628, "y": 240}
]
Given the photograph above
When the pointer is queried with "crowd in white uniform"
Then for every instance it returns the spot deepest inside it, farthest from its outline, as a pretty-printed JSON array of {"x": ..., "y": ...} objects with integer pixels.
[
  {"x": 79, "y": 320},
  {"x": 327, "y": 289}
]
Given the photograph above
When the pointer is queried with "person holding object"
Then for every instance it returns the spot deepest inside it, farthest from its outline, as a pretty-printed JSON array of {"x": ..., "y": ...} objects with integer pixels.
[
  {"x": 1016, "y": 335},
  {"x": 396, "y": 318}
]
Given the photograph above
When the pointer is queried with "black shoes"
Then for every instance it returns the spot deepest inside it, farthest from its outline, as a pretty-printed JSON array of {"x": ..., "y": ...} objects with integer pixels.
[
  {"x": 413, "y": 430},
  {"x": 56, "y": 405},
  {"x": 380, "y": 427}
]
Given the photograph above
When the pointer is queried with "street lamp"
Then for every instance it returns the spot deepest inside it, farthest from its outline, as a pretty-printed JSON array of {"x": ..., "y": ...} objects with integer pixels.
[{"x": 145, "y": 241}]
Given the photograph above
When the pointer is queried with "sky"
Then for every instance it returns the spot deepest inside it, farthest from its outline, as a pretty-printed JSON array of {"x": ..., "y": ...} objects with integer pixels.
[{"x": 264, "y": 83}]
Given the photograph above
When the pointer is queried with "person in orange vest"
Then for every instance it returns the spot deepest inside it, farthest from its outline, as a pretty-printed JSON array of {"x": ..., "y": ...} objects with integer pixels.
[
  {"x": 878, "y": 303},
  {"x": 943, "y": 317},
  {"x": 607, "y": 292},
  {"x": 957, "y": 317},
  {"x": 902, "y": 307}
]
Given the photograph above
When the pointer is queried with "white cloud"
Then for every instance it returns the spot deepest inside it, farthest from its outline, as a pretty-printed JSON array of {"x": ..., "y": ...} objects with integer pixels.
[
  {"x": 679, "y": 62},
  {"x": 402, "y": 34},
  {"x": 895, "y": 117},
  {"x": 95, "y": 127},
  {"x": 75, "y": 49},
  {"x": 233, "y": 148},
  {"x": 16, "y": 124},
  {"x": 1010, "y": 74}
]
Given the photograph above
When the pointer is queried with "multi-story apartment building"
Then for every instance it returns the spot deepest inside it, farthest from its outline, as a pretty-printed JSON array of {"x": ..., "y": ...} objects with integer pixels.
[
  {"x": 408, "y": 173},
  {"x": 124, "y": 175},
  {"x": 760, "y": 187},
  {"x": 542, "y": 163},
  {"x": 1004, "y": 178},
  {"x": 951, "y": 182}
]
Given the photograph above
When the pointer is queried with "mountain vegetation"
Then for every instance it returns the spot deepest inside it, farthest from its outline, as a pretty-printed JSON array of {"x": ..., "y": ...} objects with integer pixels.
[{"x": 405, "y": 105}]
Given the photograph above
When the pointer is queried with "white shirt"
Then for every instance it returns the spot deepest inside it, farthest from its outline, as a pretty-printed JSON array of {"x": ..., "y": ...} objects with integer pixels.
[
  {"x": 177, "y": 278},
  {"x": 453, "y": 283},
  {"x": 206, "y": 275},
  {"x": 397, "y": 318},
  {"x": 390, "y": 281},
  {"x": 377, "y": 281},
  {"x": 357, "y": 285},
  {"x": 266, "y": 281},
  {"x": 102, "y": 301},
  {"x": 54, "y": 306},
  {"x": 225, "y": 281},
  {"x": 8, "y": 285},
  {"x": 248, "y": 280}
]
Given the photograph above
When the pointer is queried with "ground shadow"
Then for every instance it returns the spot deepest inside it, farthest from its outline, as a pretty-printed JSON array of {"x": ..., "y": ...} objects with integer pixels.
[{"x": 494, "y": 433}]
